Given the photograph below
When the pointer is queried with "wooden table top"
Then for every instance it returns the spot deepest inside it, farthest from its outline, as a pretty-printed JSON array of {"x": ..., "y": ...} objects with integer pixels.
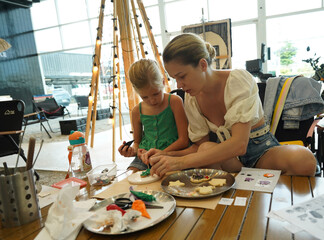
[{"x": 225, "y": 222}]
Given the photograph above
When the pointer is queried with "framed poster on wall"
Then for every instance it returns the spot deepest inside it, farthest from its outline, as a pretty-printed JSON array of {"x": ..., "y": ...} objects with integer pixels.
[{"x": 219, "y": 35}]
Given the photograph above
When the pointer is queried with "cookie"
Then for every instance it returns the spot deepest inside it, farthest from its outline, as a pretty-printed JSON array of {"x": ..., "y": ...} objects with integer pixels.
[
  {"x": 217, "y": 182},
  {"x": 205, "y": 190},
  {"x": 198, "y": 178},
  {"x": 176, "y": 184},
  {"x": 146, "y": 173}
]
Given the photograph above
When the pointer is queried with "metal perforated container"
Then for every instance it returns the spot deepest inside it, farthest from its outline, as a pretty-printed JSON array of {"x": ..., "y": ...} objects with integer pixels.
[{"x": 18, "y": 198}]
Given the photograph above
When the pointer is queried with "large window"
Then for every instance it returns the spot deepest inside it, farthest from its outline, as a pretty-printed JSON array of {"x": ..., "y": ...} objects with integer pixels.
[
  {"x": 70, "y": 27},
  {"x": 287, "y": 41}
]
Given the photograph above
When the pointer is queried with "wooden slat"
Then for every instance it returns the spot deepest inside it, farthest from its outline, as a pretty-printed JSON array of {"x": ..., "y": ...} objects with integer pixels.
[
  {"x": 209, "y": 220},
  {"x": 161, "y": 228},
  {"x": 301, "y": 189},
  {"x": 281, "y": 197},
  {"x": 185, "y": 222},
  {"x": 231, "y": 222},
  {"x": 255, "y": 224}
]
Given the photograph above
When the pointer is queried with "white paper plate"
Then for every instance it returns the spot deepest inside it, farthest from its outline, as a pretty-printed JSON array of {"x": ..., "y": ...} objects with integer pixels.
[
  {"x": 136, "y": 178},
  {"x": 157, "y": 215}
]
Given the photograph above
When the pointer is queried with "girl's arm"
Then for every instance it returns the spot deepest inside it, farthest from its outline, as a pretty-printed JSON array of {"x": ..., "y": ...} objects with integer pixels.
[
  {"x": 137, "y": 135},
  {"x": 182, "y": 125},
  {"x": 137, "y": 127}
]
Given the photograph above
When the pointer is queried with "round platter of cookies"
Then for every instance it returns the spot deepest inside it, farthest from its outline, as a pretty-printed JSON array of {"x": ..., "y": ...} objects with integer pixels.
[{"x": 198, "y": 183}]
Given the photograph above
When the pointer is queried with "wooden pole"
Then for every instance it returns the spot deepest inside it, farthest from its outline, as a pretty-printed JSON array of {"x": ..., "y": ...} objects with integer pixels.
[
  {"x": 94, "y": 80},
  {"x": 153, "y": 44},
  {"x": 127, "y": 48},
  {"x": 119, "y": 89},
  {"x": 140, "y": 41},
  {"x": 115, "y": 39}
]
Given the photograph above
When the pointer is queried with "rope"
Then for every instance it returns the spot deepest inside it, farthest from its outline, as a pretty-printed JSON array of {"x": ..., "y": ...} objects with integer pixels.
[{"x": 53, "y": 111}]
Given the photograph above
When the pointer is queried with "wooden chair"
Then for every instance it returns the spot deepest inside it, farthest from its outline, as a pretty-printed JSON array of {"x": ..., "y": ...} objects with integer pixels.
[{"x": 11, "y": 118}]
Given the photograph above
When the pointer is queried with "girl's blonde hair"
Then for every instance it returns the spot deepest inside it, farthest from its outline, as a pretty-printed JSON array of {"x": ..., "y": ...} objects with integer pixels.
[
  {"x": 144, "y": 73},
  {"x": 188, "y": 48}
]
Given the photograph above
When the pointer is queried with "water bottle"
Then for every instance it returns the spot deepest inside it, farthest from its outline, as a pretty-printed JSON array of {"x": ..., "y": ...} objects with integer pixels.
[{"x": 80, "y": 160}]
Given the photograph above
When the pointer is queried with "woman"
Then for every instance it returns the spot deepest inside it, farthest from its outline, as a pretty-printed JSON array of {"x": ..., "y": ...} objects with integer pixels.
[{"x": 228, "y": 104}]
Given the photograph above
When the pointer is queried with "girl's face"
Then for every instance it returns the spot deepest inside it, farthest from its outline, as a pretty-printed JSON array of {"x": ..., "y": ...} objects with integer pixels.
[
  {"x": 190, "y": 79},
  {"x": 152, "y": 96}
]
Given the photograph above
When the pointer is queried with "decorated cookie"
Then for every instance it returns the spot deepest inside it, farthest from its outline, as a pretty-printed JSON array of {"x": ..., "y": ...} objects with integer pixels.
[
  {"x": 205, "y": 190},
  {"x": 146, "y": 173},
  {"x": 198, "y": 178},
  {"x": 176, "y": 184},
  {"x": 217, "y": 182}
]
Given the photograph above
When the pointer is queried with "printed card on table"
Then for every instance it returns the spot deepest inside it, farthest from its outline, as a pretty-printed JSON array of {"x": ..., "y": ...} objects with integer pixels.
[{"x": 255, "y": 179}]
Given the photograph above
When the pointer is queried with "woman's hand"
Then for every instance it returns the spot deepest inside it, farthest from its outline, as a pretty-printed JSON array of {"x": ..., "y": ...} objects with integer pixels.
[
  {"x": 161, "y": 164},
  {"x": 126, "y": 151},
  {"x": 146, "y": 156}
]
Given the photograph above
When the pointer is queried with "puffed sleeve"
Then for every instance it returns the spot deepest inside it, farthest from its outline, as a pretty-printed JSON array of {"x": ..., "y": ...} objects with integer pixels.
[
  {"x": 197, "y": 127},
  {"x": 242, "y": 100}
]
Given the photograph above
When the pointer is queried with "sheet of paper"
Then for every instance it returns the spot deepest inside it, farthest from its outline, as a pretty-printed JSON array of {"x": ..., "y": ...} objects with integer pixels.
[
  {"x": 256, "y": 179},
  {"x": 240, "y": 201},
  {"x": 308, "y": 216},
  {"x": 226, "y": 201}
]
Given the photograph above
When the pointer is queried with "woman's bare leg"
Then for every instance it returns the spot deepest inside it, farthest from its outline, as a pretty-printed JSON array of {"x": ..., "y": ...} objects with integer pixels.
[{"x": 290, "y": 159}]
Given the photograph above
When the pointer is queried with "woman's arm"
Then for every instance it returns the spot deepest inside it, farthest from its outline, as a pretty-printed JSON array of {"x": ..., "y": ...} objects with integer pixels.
[
  {"x": 207, "y": 154},
  {"x": 182, "y": 125}
]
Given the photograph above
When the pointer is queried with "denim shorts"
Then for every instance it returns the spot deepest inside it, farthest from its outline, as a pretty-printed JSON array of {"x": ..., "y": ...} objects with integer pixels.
[
  {"x": 137, "y": 163},
  {"x": 257, "y": 147}
]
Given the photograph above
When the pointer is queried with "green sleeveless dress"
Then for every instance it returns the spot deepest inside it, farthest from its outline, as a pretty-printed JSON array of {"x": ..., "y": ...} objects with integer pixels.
[{"x": 159, "y": 131}]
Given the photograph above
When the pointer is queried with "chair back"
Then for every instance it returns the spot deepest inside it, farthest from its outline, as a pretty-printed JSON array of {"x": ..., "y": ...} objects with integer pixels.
[
  {"x": 11, "y": 119},
  {"x": 48, "y": 105},
  {"x": 82, "y": 101},
  {"x": 285, "y": 135}
]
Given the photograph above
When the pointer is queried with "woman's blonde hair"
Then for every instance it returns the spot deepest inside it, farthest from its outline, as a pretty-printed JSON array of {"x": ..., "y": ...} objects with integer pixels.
[
  {"x": 144, "y": 73},
  {"x": 188, "y": 48}
]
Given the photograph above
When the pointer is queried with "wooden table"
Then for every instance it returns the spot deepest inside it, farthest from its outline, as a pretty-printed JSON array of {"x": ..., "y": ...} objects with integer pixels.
[{"x": 225, "y": 222}]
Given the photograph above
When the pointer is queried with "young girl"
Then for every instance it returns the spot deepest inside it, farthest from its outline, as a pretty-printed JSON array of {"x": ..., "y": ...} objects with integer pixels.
[
  {"x": 159, "y": 121},
  {"x": 228, "y": 104}
]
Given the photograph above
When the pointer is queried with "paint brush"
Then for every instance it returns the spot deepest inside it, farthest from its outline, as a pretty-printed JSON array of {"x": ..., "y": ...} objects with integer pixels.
[{"x": 31, "y": 150}]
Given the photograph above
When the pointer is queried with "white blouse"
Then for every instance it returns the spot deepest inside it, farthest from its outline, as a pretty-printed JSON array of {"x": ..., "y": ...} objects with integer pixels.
[{"x": 242, "y": 104}]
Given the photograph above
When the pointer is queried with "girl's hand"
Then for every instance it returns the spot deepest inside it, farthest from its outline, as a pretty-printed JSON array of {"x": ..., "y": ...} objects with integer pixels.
[
  {"x": 161, "y": 164},
  {"x": 126, "y": 151},
  {"x": 146, "y": 156},
  {"x": 140, "y": 153}
]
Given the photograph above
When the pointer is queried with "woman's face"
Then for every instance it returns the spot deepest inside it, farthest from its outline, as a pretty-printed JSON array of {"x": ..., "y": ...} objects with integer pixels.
[
  {"x": 152, "y": 96},
  {"x": 190, "y": 79}
]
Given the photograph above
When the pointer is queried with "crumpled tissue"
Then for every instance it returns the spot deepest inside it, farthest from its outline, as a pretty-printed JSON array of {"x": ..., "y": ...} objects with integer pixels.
[{"x": 65, "y": 217}]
